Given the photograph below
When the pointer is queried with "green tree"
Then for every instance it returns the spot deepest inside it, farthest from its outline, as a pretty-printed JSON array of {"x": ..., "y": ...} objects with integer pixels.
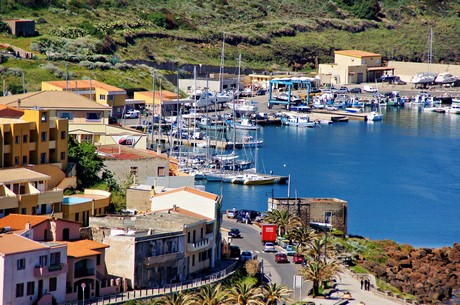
[
  {"x": 209, "y": 295},
  {"x": 275, "y": 293},
  {"x": 175, "y": 298},
  {"x": 319, "y": 249},
  {"x": 88, "y": 163},
  {"x": 243, "y": 293},
  {"x": 303, "y": 236},
  {"x": 283, "y": 220},
  {"x": 319, "y": 272}
]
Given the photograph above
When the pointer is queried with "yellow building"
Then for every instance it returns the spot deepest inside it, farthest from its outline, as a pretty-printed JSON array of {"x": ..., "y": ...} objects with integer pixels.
[
  {"x": 94, "y": 90},
  {"x": 35, "y": 138},
  {"x": 87, "y": 120},
  {"x": 163, "y": 100},
  {"x": 353, "y": 67}
]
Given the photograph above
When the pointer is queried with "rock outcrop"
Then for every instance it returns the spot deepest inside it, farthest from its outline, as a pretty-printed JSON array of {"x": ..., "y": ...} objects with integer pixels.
[{"x": 429, "y": 274}]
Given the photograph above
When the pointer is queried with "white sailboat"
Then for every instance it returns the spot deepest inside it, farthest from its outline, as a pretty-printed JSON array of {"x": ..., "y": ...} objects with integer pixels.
[{"x": 423, "y": 79}]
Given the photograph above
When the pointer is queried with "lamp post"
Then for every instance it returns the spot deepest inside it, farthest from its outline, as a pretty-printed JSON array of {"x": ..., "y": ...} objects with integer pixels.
[{"x": 83, "y": 285}]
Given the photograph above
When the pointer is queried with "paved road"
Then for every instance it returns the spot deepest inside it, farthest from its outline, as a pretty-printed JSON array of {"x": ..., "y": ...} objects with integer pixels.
[{"x": 283, "y": 273}]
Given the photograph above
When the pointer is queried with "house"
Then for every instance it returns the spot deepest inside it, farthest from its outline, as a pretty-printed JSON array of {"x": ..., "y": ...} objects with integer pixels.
[
  {"x": 101, "y": 93},
  {"x": 353, "y": 67},
  {"x": 213, "y": 83},
  {"x": 32, "y": 271},
  {"x": 163, "y": 101},
  {"x": 87, "y": 120},
  {"x": 21, "y": 27},
  {"x": 80, "y": 207},
  {"x": 318, "y": 213}
]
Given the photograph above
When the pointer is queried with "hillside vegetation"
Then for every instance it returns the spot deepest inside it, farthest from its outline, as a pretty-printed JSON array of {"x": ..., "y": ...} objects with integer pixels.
[{"x": 96, "y": 36}]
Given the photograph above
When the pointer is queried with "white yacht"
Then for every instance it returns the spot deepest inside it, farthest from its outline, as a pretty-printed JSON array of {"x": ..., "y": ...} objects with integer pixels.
[
  {"x": 445, "y": 78},
  {"x": 424, "y": 78}
]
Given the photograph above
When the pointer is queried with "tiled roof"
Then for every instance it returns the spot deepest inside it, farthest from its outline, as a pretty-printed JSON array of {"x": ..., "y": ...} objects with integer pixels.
[
  {"x": 10, "y": 112},
  {"x": 126, "y": 153},
  {"x": 82, "y": 248},
  {"x": 64, "y": 100},
  {"x": 84, "y": 85},
  {"x": 20, "y": 174},
  {"x": 165, "y": 95},
  {"x": 11, "y": 243},
  {"x": 356, "y": 53},
  {"x": 18, "y": 221},
  {"x": 191, "y": 190}
]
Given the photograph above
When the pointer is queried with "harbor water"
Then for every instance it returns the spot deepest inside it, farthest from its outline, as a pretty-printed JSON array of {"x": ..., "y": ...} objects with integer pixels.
[{"x": 400, "y": 177}]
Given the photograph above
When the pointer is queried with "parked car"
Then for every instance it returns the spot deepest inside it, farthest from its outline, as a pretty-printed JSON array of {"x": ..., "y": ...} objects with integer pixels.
[
  {"x": 235, "y": 251},
  {"x": 355, "y": 90},
  {"x": 290, "y": 250},
  {"x": 243, "y": 219},
  {"x": 315, "y": 90},
  {"x": 341, "y": 90},
  {"x": 281, "y": 258},
  {"x": 234, "y": 233},
  {"x": 298, "y": 258},
  {"x": 231, "y": 213},
  {"x": 245, "y": 256},
  {"x": 269, "y": 247},
  {"x": 132, "y": 114},
  {"x": 369, "y": 89},
  {"x": 261, "y": 92}
]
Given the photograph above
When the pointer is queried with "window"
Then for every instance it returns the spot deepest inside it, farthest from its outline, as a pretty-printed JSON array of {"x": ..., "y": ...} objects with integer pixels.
[
  {"x": 19, "y": 290},
  {"x": 77, "y": 216},
  {"x": 161, "y": 172},
  {"x": 43, "y": 137},
  {"x": 30, "y": 288},
  {"x": 110, "y": 97},
  {"x": 43, "y": 158},
  {"x": 17, "y": 139},
  {"x": 65, "y": 115},
  {"x": 93, "y": 116},
  {"x": 63, "y": 135},
  {"x": 55, "y": 259},
  {"x": 44, "y": 117},
  {"x": 16, "y": 160},
  {"x": 98, "y": 260},
  {"x": 102, "y": 97},
  {"x": 24, "y": 159},
  {"x": 201, "y": 233},
  {"x": 53, "y": 284},
  {"x": 43, "y": 260},
  {"x": 24, "y": 211},
  {"x": 63, "y": 155},
  {"x": 133, "y": 171},
  {"x": 193, "y": 260},
  {"x": 66, "y": 234},
  {"x": 25, "y": 138},
  {"x": 21, "y": 264},
  {"x": 188, "y": 237},
  {"x": 327, "y": 217}
]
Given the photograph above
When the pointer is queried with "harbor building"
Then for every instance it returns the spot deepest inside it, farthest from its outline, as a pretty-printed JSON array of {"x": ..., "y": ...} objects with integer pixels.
[
  {"x": 317, "y": 213},
  {"x": 353, "y": 67}
]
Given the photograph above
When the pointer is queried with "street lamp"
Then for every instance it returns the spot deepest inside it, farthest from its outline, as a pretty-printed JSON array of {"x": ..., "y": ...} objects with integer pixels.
[{"x": 83, "y": 285}]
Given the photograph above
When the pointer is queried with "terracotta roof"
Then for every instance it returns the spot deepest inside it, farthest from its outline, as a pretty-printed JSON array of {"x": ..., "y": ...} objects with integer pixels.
[
  {"x": 165, "y": 95},
  {"x": 85, "y": 247},
  {"x": 14, "y": 175},
  {"x": 126, "y": 153},
  {"x": 185, "y": 212},
  {"x": 11, "y": 243},
  {"x": 357, "y": 53},
  {"x": 18, "y": 221},
  {"x": 191, "y": 190},
  {"x": 10, "y": 112},
  {"x": 84, "y": 84},
  {"x": 52, "y": 100}
]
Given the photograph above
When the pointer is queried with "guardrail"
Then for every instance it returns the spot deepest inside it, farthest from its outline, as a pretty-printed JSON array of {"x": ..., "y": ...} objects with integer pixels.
[{"x": 123, "y": 297}]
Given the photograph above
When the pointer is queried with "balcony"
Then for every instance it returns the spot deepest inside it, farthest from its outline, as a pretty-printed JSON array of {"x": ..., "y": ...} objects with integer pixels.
[
  {"x": 9, "y": 202},
  {"x": 84, "y": 272},
  {"x": 162, "y": 259},
  {"x": 198, "y": 246},
  {"x": 52, "y": 144},
  {"x": 50, "y": 271},
  {"x": 51, "y": 196}
]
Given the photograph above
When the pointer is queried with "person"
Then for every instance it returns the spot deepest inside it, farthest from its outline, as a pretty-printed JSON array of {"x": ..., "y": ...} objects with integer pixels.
[{"x": 362, "y": 284}]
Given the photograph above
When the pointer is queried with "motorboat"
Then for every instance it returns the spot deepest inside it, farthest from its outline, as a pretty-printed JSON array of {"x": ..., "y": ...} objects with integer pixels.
[
  {"x": 374, "y": 116},
  {"x": 245, "y": 124},
  {"x": 252, "y": 179},
  {"x": 445, "y": 78},
  {"x": 353, "y": 110},
  {"x": 207, "y": 123},
  {"x": 437, "y": 109},
  {"x": 454, "y": 109},
  {"x": 247, "y": 142},
  {"x": 424, "y": 78},
  {"x": 298, "y": 121},
  {"x": 203, "y": 98},
  {"x": 243, "y": 106}
]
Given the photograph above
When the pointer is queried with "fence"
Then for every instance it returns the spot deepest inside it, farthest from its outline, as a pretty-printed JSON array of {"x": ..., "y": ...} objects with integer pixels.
[{"x": 155, "y": 292}]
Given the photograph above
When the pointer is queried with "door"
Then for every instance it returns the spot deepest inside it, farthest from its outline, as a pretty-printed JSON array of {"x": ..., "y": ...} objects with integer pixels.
[
  {"x": 359, "y": 78},
  {"x": 40, "y": 288}
]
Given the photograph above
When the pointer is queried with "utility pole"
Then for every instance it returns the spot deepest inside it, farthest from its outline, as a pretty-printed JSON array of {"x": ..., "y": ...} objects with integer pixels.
[{"x": 153, "y": 106}]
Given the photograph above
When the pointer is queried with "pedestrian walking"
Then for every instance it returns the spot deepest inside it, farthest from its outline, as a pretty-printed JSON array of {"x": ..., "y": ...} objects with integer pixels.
[
  {"x": 368, "y": 285},
  {"x": 365, "y": 284},
  {"x": 362, "y": 284}
]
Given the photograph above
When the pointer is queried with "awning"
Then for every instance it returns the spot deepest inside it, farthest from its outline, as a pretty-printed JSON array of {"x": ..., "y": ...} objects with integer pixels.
[{"x": 380, "y": 69}]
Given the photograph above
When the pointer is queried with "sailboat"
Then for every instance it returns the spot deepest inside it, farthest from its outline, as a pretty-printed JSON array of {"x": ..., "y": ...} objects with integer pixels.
[
  {"x": 375, "y": 116},
  {"x": 423, "y": 79}
]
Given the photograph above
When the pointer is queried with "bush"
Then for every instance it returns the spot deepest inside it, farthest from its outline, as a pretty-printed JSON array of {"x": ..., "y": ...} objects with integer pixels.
[
  {"x": 123, "y": 66},
  {"x": 87, "y": 64},
  {"x": 103, "y": 65}
]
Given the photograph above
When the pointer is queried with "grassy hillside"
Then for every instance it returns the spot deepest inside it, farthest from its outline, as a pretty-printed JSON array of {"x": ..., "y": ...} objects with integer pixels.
[{"x": 93, "y": 35}]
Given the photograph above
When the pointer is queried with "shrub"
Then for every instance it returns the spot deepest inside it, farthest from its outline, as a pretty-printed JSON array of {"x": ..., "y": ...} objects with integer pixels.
[
  {"x": 103, "y": 65},
  {"x": 87, "y": 64},
  {"x": 252, "y": 267},
  {"x": 123, "y": 66}
]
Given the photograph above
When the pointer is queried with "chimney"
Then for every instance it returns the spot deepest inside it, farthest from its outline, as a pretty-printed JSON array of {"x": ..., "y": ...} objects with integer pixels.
[
  {"x": 174, "y": 207},
  {"x": 19, "y": 103},
  {"x": 28, "y": 225}
]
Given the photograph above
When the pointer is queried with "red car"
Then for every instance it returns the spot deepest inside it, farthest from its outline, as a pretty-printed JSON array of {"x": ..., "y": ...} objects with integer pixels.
[
  {"x": 298, "y": 258},
  {"x": 281, "y": 257}
]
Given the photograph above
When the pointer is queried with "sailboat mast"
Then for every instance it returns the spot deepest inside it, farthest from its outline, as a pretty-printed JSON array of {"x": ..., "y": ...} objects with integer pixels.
[
  {"x": 221, "y": 71},
  {"x": 430, "y": 55},
  {"x": 153, "y": 106},
  {"x": 234, "y": 114}
]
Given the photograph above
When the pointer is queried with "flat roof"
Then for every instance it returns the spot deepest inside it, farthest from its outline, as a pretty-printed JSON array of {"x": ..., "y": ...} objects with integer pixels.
[
  {"x": 20, "y": 174},
  {"x": 84, "y": 84},
  {"x": 122, "y": 152},
  {"x": 52, "y": 100},
  {"x": 357, "y": 53}
]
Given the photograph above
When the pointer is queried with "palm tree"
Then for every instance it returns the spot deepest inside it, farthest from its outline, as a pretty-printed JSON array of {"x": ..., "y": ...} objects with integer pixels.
[
  {"x": 320, "y": 271},
  {"x": 175, "y": 298},
  {"x": 208, "y": 295},
  {"x": 274, "y": 293},
  {"x": 244, "y": 294},
  {"x": 303, "y": 236},
  {"x": 283, "y": 220}
]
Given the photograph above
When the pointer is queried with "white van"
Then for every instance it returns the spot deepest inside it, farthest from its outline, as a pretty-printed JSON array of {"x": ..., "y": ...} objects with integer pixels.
[{"x": 369, "y": 89}]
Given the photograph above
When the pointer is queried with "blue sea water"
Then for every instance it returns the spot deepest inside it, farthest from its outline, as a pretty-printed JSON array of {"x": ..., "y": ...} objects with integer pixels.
[{"x": 401, "y": 177}]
